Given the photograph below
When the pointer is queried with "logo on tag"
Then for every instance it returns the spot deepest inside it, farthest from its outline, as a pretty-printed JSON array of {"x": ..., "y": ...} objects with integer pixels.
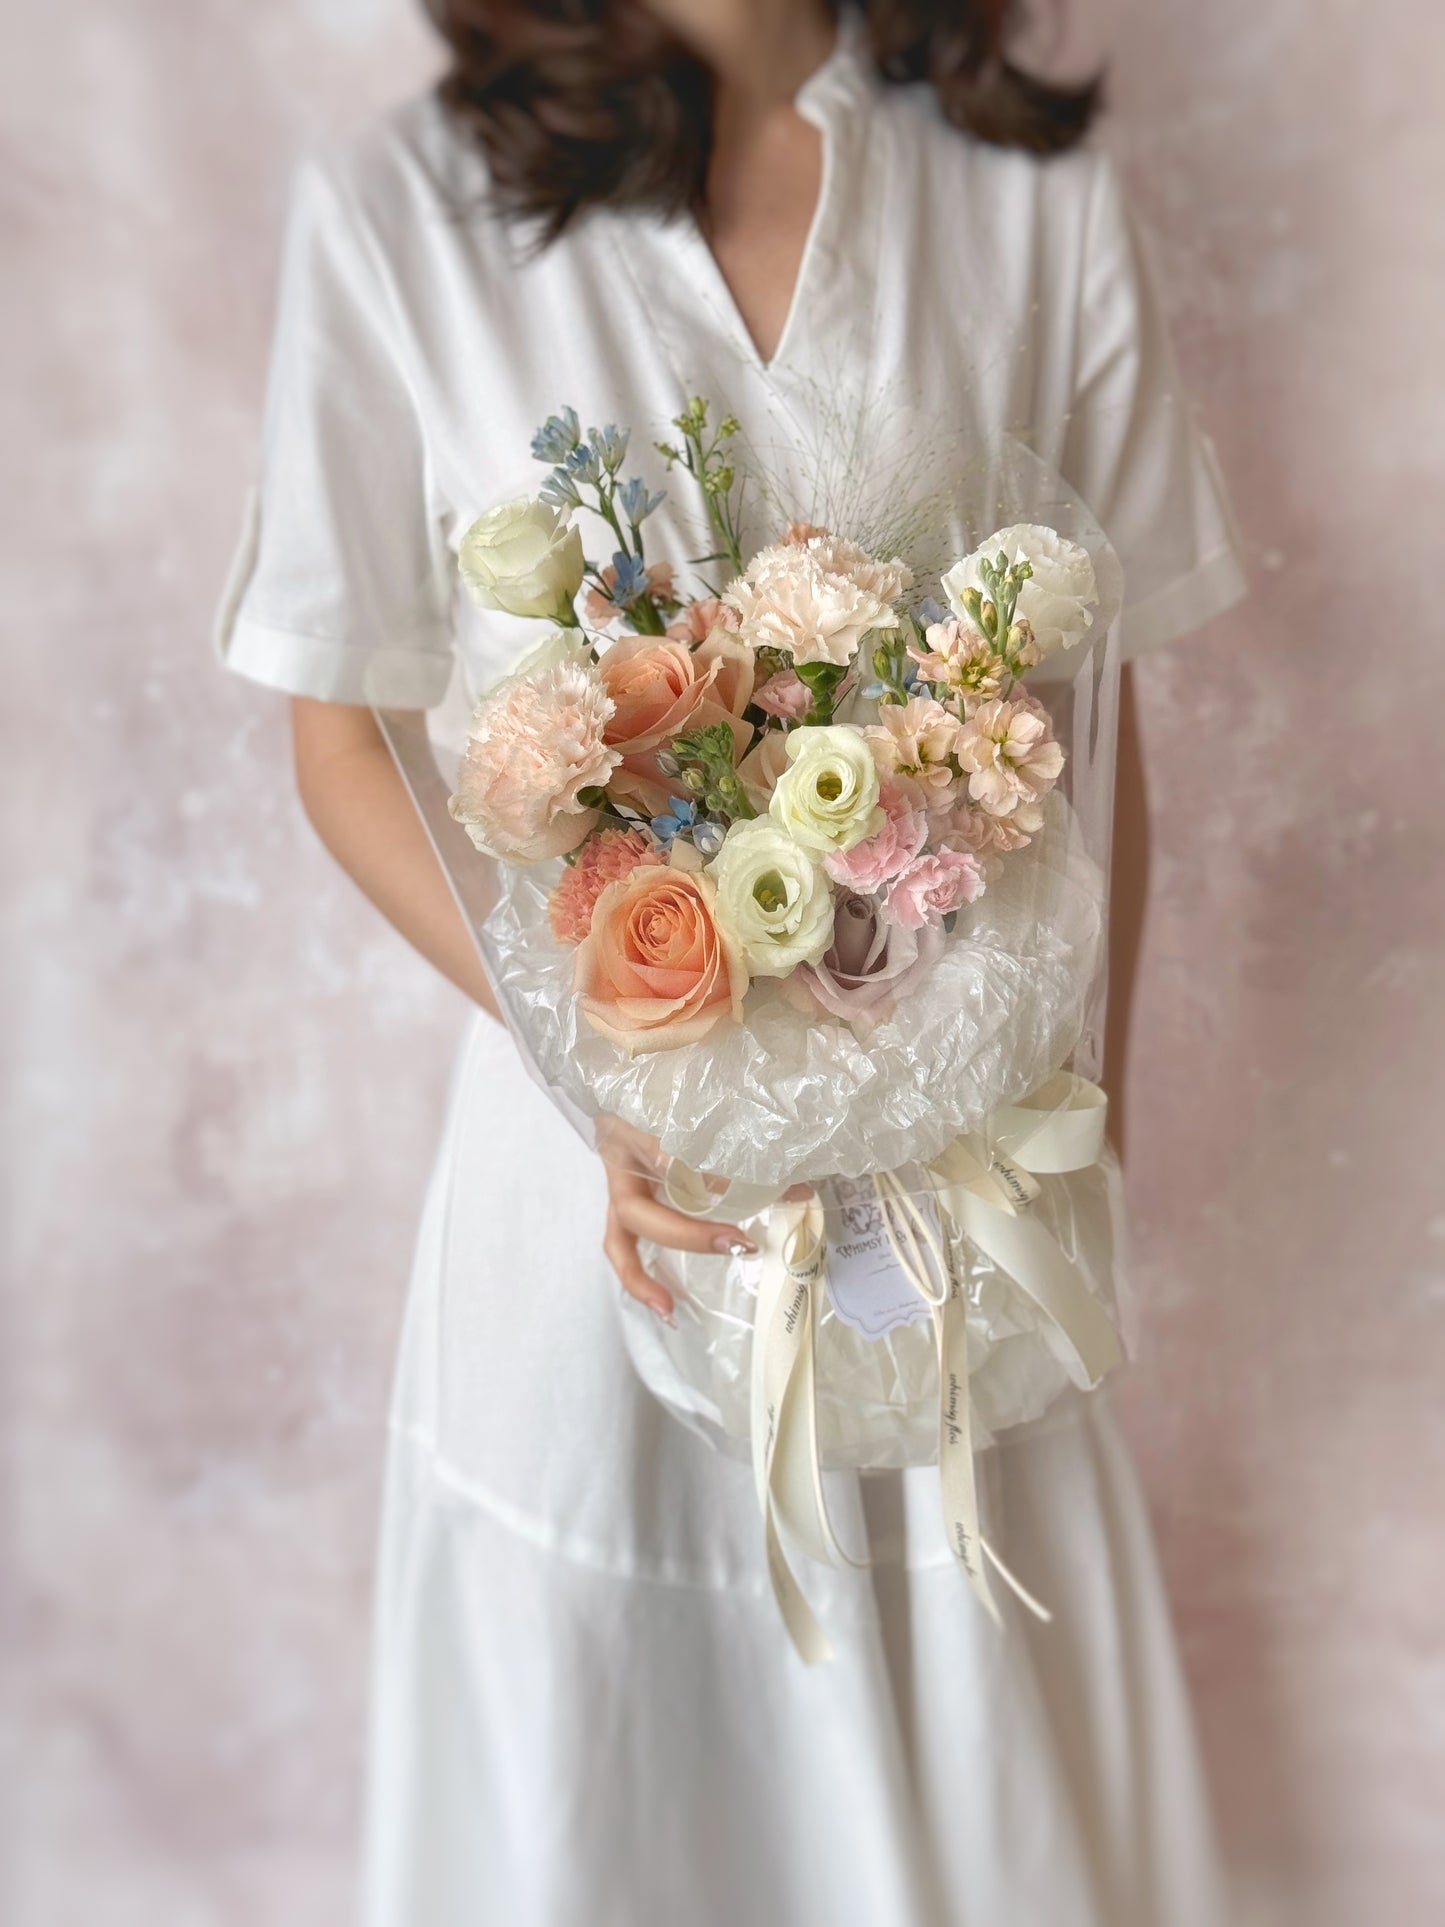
[{"x": 869, "y": 1289}]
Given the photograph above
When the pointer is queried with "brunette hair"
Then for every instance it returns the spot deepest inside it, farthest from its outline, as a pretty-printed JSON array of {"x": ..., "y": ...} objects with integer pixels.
[{"x": 586, "y": 103}]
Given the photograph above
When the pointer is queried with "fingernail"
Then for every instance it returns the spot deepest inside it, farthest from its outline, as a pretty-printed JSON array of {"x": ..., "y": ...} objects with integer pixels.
[
  {"x": 665, "y": 1315},
  {"x": 732, "y": 1244}
]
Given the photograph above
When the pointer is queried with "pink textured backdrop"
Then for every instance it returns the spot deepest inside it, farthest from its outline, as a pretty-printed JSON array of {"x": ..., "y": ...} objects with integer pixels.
[{"x": 226, "y": 1075}]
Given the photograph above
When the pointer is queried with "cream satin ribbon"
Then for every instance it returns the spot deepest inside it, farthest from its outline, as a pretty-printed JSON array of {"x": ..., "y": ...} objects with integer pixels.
[{"x": 983, "y": 1184}]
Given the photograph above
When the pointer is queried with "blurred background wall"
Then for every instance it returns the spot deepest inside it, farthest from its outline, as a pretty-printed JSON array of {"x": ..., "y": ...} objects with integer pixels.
[{"x": 226, "y": 1076}]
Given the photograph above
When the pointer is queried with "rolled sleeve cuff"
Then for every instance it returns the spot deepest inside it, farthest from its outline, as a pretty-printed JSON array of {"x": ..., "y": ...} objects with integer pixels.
[
  {"x": 1184, "y": 605},
  {"x": 412, "y": 676}
]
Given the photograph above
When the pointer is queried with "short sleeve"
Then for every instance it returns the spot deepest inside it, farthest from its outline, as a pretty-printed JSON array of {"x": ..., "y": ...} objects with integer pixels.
[
  {"x": 340, "y": 589},
  {"x": 1133, "y": 449}
]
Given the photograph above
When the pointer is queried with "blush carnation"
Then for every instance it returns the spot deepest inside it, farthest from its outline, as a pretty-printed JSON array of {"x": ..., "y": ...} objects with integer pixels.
[
  {"x": 790, "y": 600},
  {"x": 878, "y": 859},
  {"x": 536, "y": 742},
  {"x": 603, "y": 859},
  {"x": 932, "y": 887}
]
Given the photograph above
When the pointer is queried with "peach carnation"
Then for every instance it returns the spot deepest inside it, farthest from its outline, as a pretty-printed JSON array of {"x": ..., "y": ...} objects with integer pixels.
[
  {"x": 655, "y": 971},
  {"x": 791, "y": 600},
  {"x": 536, "y": 743},
  {"x": 602, "y": 860}
]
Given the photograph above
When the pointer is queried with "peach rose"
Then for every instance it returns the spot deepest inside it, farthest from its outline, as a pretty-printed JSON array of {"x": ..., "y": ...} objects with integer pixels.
[
  {"x": 654, "y": 970},
  {"x": 660, "y": 688}
]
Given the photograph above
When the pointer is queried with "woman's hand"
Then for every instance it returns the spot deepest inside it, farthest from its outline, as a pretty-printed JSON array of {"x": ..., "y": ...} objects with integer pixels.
[{"x": 634, "y": 1168}]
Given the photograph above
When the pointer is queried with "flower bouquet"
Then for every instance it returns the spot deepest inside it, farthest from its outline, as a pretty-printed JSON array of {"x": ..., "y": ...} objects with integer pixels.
[{"x": 798, "y": 890}]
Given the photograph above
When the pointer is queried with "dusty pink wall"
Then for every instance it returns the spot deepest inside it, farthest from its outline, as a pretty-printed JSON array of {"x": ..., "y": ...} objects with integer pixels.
[{"x": 227, "y": 1075}]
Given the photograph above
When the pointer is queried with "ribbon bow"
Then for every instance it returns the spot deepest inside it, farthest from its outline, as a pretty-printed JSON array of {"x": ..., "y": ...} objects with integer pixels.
[{"x": 983, "y": 1184}]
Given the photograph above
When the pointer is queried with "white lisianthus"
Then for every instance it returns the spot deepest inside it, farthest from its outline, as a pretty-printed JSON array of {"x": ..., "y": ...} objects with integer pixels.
[
  {"x": 827, "y": 798},
  {"x": 773, "y": 900},
  {"x": 525, "y": 558},
  {"x": 1057, "y": 601}
]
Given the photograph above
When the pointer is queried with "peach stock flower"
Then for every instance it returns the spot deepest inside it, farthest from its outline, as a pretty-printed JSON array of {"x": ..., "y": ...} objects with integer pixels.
[
  {"x": 917, "y": 739},
  {"x": 974, "y": 830},
  {"x": 958, "y": 656},
  {"x": 1010, "y": 754},
  {"x": 536, "y": 742},
  {"x": 654, "y": 971},
  {"x": 660, "y": 688},
  {"x": 603, "y": 859}
]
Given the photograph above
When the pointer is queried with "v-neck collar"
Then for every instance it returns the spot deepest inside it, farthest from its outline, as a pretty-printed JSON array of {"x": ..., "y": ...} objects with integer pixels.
[{"x": 691, "y": 289}]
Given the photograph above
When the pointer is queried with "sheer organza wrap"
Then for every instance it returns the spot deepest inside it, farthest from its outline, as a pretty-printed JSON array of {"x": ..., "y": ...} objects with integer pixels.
[{"x": 789, "y": 1097}]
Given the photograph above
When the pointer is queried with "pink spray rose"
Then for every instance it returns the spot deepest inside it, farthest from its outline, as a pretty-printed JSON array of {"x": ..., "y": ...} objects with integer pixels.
[
  {"x": 696, "y": 621},
  {"x": 932, "y": 887},
  {"x": 601, "y": 609},
  {"x": 603, "y": 859},
  {"x": 878, "y": 859},
  {"x": 785, "y": 695}
]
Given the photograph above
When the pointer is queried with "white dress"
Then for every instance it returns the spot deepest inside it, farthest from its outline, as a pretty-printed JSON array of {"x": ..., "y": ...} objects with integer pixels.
[{"x": 585, "y": 1706}]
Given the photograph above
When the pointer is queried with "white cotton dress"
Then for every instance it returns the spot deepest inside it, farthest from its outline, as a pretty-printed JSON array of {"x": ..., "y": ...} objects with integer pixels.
[{"x": 586, "y": 1712}]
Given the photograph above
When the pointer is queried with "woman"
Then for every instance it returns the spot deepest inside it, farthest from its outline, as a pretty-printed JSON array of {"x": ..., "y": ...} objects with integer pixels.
[{"x": 585, "y": 1709}]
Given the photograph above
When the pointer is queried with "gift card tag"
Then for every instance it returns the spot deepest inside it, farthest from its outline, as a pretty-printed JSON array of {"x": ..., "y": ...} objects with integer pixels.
[{"x": 870, "y": 1290}]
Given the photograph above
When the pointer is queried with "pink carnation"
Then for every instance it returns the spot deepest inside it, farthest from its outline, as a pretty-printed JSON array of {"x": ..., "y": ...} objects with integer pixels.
[
  {"x": 980, "y": 834},
  {"x": 932, "y": 887},
  {"x": 878, "y": 859},
  {"x": 602, "y": 860}
]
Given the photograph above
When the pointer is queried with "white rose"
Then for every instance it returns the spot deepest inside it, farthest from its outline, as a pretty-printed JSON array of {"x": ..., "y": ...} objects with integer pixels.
[
  {"x": 525, "y": 558},
  {"x": 827, "y": 798},
  {"x": 773, "y": 900},
  {"x": 555, "y": 648},
  {"x": 1058, "y": 600}
]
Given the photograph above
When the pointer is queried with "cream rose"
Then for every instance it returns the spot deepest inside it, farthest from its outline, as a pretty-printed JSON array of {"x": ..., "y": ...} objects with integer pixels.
[
  {"x": 827, "y": 798},
  {"x": 525, "y": 558},
  {"x": 1057, "y": 601},
  {"x": 773, "y": 901}
]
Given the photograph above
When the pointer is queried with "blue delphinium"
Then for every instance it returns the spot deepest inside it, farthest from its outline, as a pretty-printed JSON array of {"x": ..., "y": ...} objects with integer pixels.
[
  {"x": 560, "y": 490},
  {"x": 609, "y": 446},
  {"x": 679, "y": 816},
  {"x": 930, "y": 612},
  {"x": 584, "y": 464},
  {"x": 630, "y": 579},
  {"x": 557, "y": 437},
  {"x": 635, "y": 501}
]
